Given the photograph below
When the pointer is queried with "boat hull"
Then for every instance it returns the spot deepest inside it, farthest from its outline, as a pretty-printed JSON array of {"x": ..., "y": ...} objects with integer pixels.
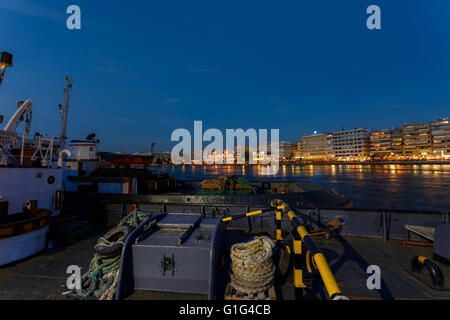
[
  {"x": 20, "y": 185},
  {"x": 22, "y": 246}
]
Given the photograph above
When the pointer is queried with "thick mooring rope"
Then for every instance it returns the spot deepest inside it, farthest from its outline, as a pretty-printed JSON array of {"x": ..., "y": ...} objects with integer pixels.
[
  {"x": 252, "y": 267},
  {"x": 103, "y": 275}
]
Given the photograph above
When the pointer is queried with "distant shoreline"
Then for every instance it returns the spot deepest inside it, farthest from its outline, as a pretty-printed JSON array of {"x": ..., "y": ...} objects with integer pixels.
[{"x": 321, "y": 163}]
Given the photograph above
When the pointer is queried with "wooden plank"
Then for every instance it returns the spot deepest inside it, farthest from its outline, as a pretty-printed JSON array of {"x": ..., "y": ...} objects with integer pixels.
[{"x": 426, "y": 232}]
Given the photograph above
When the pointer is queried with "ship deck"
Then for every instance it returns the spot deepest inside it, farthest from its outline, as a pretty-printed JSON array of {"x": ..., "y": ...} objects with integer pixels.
[{"x": 43, "y": 276}]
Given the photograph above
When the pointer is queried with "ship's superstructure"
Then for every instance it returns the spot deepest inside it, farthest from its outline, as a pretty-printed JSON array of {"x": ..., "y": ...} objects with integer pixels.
[{"x": 31, "y": 170}]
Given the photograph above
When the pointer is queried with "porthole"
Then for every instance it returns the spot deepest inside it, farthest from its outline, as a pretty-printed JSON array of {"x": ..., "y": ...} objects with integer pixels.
[{"x": 51, "y": 180}]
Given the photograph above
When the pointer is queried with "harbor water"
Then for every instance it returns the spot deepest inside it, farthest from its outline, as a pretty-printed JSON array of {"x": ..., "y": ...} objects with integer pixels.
[{"x": 375, "y": 186}]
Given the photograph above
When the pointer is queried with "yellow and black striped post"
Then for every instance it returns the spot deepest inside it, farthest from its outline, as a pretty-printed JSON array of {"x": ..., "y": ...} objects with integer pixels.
[
  {"x": 278, "y": 228},
  {"x": 317, "y": 256},
  {"x": 298, "y": 265}
]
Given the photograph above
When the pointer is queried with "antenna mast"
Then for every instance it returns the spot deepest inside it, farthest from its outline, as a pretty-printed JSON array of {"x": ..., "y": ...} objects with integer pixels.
[{"x": 64, "y": 111}]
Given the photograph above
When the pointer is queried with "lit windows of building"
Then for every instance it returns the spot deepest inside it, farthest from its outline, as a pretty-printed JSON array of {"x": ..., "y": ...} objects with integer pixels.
[
  {"x": 351, "y": 144},
  {"x": 440, "y": 137},
  {"x": 287, "y": 150},
  {"x": 386, "y": 144},
  {"x": 416, "y": 140},
  {"x": 316, "y": 147}
]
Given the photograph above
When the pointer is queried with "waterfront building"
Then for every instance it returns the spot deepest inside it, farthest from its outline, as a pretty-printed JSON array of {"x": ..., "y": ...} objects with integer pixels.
[
  {"x": 299, "y": 147},
  {"x": 396, "y": 142},
  {"x": 317, "y": 147},
  {"x": 440, "y": 136},
  {"x": 298, "y": 151},
  {"x": 416, "y": 140},
  {"x": 197, "y": 154},
  {"x": 386, "y": 143},
  {"x": 351, "y": 144},
  {"x": 287, "y": 150}
]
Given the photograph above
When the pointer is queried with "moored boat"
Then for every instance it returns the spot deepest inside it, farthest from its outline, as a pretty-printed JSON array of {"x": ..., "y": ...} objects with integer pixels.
[
  {"x": 23, "y": 234},
  {"x": 30, "y": 183}
]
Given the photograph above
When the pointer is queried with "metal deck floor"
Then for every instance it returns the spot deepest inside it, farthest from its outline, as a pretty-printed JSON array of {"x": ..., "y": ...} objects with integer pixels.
[{"x": 43, "y": 276}]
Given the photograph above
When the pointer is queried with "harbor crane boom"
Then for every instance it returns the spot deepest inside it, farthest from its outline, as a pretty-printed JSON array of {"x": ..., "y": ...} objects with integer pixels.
[{"x": 25, "y": 108}]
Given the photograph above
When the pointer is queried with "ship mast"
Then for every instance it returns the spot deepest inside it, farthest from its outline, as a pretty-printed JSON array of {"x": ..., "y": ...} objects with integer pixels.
[{"x": 64, "y": 111}]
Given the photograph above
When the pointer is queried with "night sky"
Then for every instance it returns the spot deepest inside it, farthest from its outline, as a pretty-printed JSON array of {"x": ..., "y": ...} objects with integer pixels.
[{"x": 142, "y": 69}]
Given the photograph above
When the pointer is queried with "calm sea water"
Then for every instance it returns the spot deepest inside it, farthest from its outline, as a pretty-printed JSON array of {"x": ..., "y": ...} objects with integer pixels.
[{"x": 398, "y": 186}]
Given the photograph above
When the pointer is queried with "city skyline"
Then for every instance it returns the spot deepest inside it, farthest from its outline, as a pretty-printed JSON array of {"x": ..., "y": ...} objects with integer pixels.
[
  {"x": 246, "y": 65},
  {"x": 416, "y": 141}
]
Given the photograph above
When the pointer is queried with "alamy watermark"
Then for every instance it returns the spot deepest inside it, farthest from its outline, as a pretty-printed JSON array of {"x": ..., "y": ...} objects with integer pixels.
[
  {"x": 73, "y": 21},
  {"x": 258, "y": 151},
  {"x": 374, "y": 280},
  {"x": 74, "y": 280},
  {"x": 374, "y": 20}
]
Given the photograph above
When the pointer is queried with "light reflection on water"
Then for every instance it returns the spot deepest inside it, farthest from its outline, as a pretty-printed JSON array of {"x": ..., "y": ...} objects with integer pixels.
[{"x": 396, "y": 186}]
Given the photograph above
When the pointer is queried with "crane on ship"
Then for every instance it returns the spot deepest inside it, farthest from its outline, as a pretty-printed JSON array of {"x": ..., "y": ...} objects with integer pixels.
[
  {"x": 5, "y": 62},
  {"x": 8, "y": 135},
  {"x": 43, "y": 146},
  {"x": 24, "y": 109}
]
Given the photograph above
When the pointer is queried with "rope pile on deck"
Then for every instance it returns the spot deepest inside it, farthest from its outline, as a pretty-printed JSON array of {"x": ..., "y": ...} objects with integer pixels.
[
  {"x": 252, "y": 267},
  {"x": 103, "y": 275}
]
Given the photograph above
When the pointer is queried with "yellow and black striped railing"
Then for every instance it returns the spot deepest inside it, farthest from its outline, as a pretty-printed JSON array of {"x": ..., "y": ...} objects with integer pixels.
[
  {"x": 306, "y": 251},
  {"x": 248, "y": 214}
]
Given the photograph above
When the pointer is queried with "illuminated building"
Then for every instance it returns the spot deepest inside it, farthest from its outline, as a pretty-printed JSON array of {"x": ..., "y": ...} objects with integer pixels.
[
  {"x": 351, "y": 144},
  {"x": 298, "y": 151},
  {"x": 416, "y": 140},
  {"x": 287, "y": 150},
  {"x": 386, "y": 143},
  {"x": 317, "y": 147},
  {"x": 440, "y": 136}
]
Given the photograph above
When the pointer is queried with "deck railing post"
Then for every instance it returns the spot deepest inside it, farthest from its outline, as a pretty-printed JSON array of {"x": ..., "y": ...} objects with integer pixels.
[
  {"x": 249, "y": 221},
  {"x": 298, "y": 265},
  {"x": 279, "y": 238},
  {"x": 300, "y": 235}
]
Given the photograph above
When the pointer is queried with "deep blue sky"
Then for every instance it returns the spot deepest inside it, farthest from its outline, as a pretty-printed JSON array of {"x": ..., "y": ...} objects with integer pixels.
[{"x": 144, "y": 68}]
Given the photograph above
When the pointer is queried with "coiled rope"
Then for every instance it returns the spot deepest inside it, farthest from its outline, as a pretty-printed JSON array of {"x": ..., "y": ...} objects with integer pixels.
[
  {"x": 252, "y": 267},
  {"x": 103, "y": 275}
]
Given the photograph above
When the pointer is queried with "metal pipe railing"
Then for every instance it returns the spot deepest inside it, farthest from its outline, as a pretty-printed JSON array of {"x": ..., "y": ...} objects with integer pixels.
[
  {"x": 301, "y": 236},
  {"x": 248, "y": 214},
  {"x": 304, "y": 249},
  {"x": 437, "y": 277}
]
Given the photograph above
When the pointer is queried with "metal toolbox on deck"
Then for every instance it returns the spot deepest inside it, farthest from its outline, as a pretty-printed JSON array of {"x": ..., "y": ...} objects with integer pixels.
[{"x": 181, "y": 252}]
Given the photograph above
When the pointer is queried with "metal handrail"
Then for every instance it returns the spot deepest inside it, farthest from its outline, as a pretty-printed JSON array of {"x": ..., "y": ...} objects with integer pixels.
[
  {"x": 302, "y": 237},
  {"x": 44, "y": 146},
  {"x": 437, "y": 277}
]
